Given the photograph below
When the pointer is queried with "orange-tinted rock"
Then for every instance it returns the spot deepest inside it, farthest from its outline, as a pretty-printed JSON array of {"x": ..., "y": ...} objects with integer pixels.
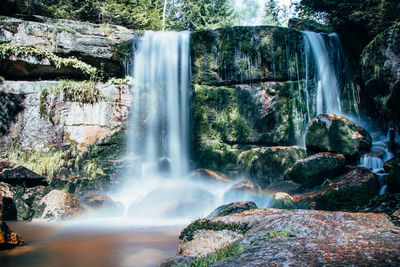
[
  {"x": 354, "y": 189},
  {"x": 212, "y": 175},
  {"x": 8, "y": 238}
]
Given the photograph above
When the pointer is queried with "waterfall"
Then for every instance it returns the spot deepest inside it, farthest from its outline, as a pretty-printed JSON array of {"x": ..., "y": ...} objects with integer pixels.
[
  {"x": 159, "y": 111},
  {"x": 322, "y": 48}
]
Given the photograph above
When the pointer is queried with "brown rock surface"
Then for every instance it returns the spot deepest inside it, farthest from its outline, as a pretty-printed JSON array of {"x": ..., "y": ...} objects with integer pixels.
[
  {"x": 352, "y": 190},
  {"x": 317, "y": 238},
  {"x": 210, "y": 175},
  {"x": 9, "y": 238}
]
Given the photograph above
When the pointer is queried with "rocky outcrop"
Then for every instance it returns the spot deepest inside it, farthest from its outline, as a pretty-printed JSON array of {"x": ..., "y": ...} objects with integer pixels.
[
  {"x": 314, "y": 170},
  {"x": 267, "y": 165},
  {"x": 51, "y": 119},
  {"x": 350, "y": 192},
  {"x": 241, "y": 189},
  {"x": 228, "y": 119},
  {"x": 283, "y": 237},
  {"x": 15, "y": 174},
  {"x": 244, "y": 55},
  {"x": 282, "y": 200},
  {"x": 8, "y": 211},
  {"x": 8, "y": 238},
  {"x": 102, "y": 46},
  {"x": 58, "y": 205},
  {"x": 236, "y": 207},
  {"x": 393, "y": 179},
  {"x": 336, "y": 134},
  {"x": 380, "y": 65}
]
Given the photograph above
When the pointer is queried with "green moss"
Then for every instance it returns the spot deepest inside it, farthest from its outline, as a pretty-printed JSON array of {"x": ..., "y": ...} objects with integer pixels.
[
  {"x": 189, "y": 231},
  {"x": 215, "y": 257},
  {"x": 7, "y": 50},
  {"x": 285, "y": 233},
  {"x": 43, "y": 163}
]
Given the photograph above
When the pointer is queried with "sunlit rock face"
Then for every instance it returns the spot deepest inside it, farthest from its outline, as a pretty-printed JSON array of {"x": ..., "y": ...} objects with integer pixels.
[
  {"x": 9, "y": 238},
  {"x": 334, "y": 133},
  {"x": 300, "y": 237},
  {"x": 47, "y": 120},
  {"x": 102, "y": 46}
]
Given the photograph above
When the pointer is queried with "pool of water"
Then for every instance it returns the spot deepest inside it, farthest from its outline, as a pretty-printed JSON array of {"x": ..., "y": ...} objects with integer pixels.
[{"x": 91, "y": 245}]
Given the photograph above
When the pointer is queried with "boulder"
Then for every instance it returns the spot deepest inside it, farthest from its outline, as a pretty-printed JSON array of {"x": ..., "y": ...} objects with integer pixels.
[
  {"x": 15, "y": 174},
  {"x": 314, "y": 170},
  {"x": 102, "y": 204},
  {"x": 102, "y": 46},
  {"x": 393, "y": 178},
  {"x": 210, "y": 175},
  {"x": 307, "y": 238},
  {"x": 282, "y": 200},
  {"x": 350, "y": 192},
  {"x": 8, "y": 211},
  {"x": 289, "y": 187},
  {"x": 8, "y": 238},
  {"x": 267, "y": 165},
  {"x": 235, "y": 207},
  {"x": 336, "y": 134},
  {"x": 58, "y": 205}
]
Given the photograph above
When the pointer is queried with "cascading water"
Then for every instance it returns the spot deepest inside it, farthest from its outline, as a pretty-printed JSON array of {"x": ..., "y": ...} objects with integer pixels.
[
  {"x": 159, "y": 113},
  {"x": 328, "y": 91},
  {"x": 158, "y": 185}
]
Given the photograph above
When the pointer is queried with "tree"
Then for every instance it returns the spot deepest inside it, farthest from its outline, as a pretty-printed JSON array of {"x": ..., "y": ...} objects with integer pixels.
[
  {"x": 245, "y": 14},
  {"x": 197, "y": 15},
  {"x": 358, "y": 19},
  {"x": 272, "y": 11}
]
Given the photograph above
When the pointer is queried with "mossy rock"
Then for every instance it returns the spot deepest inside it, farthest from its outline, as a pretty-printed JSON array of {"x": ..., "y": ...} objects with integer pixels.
[
  {"x": 267, "y": 165},
  {"x": 283, "y": 201},
  {"x": 235, "y": 207},
  {"x": 230, "y": 119},
  {"x": 313, "y": 170},
  {"x": 245, "y": 54},
  {"x": 393, "y": 179},
  {"x": 336, "y": 134}
]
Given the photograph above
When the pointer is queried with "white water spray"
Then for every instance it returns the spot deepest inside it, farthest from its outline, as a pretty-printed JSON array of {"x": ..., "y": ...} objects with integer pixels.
[{"x": 328, "y": 93}]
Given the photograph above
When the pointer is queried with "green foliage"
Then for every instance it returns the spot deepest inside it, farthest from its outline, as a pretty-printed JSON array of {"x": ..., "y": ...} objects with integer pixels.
[
  {"x": 93, "y": 168},
  {"x": 359, "y": 19},
  {"x": 7, "y": 50},
  {"x": 43, "y": 163},
  {"x": 198, "y": 14},
  {"x": 134, "y": 14},
  {"x": 188, "y": 232},
  {"x": 215, "y": 257},
  {"x": 128, "y": 80}
]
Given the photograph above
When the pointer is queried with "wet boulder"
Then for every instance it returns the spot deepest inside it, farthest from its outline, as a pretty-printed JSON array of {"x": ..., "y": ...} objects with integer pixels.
[
  {"x": 266, "y": 165},
  {"x": 210, "y": 175},
  {"x": 314, "y": 170},
  {"x": 282, "y": 200},
  {"x": 14, "y": 174},
  {"x": 8, "y": 238},
  {"x": 336, "y": 134},
  {"x": 102, "y": 204},
  {"x": 351, "y": 191},
  {"x": 236, "y": 207},
  {"x": 289, "y": 187},
  {"x": 58, "y": 205},
  {"x": 8, "y": 211},
  {"x": 392, "y": 167}
]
